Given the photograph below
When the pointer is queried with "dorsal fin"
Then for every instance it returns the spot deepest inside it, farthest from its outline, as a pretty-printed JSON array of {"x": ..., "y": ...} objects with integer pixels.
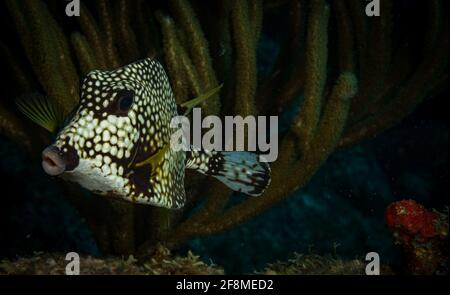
[{"x": 187, "y": 106}]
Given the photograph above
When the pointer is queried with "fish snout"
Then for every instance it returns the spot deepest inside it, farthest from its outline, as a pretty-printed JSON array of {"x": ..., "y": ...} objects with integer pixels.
[{"x": 55, "y": 162}]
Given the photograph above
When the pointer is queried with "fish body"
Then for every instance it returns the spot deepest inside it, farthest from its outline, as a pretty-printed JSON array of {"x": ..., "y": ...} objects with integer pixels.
[{"x": 117, "y": 142}]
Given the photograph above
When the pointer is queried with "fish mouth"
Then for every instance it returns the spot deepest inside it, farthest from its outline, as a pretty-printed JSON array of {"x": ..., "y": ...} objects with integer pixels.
[{"x": 52, "y": 161}]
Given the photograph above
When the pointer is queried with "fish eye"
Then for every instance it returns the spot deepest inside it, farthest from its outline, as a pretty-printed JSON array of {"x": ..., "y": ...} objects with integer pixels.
[{"x": 125, "y": 100}]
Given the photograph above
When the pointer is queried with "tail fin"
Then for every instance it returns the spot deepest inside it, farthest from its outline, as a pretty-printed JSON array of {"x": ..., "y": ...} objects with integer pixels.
[{"x": 240, "y": 171}]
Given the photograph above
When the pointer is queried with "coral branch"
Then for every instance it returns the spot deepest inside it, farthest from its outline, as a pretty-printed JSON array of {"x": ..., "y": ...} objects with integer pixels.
[
  {"x": 178, "y": 61},
  {"x": 360, "y": 25},
  {"x": 45, "y": 59},
  {"x": 255, "y": 16},
  {"x": 22, "y": 78},
  {"x": 199, "y": 50},
  {"x": 145, "y": 30},
  {"x": 245, "y": 64},
  {"x": 345, "y": 34},
  {"x": 91, "y": 31},
  {"x": 287, "y": 77},
  {"x": 408, "y": 97},
  {"x": 376, "y": 64},
  {"x": 84, "y": 52},
  {"x": 107, "y": 27},
  {"x": 66, "y": 65},
  {"x": 127, "y": 46},
  {"x": 316, "y": 66},
  {"x": 16, "y": 10}
]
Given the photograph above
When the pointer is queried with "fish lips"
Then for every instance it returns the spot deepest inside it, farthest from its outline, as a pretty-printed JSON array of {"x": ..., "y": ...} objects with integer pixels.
[{"x": 55, "y": 162}]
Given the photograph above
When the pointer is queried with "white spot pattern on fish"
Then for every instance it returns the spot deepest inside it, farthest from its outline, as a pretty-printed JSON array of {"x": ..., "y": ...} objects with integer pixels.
[{"x": 118, "y": 139}]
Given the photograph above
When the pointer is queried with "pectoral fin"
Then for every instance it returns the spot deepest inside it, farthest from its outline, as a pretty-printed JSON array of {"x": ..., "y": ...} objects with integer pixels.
[
  {"x": 160, "y": 179},
  {"x": 154, "y": 159},
  {"x": 41, "y": 110}
]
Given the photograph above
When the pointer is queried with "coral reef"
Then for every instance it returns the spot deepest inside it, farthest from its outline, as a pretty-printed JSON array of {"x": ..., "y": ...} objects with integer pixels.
[
  {"x": 422, "y": 234},
  {"x": 161, "y": 263},
  {"x": 354, "y": 80},
  {"x": 311, "y": 264}
]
